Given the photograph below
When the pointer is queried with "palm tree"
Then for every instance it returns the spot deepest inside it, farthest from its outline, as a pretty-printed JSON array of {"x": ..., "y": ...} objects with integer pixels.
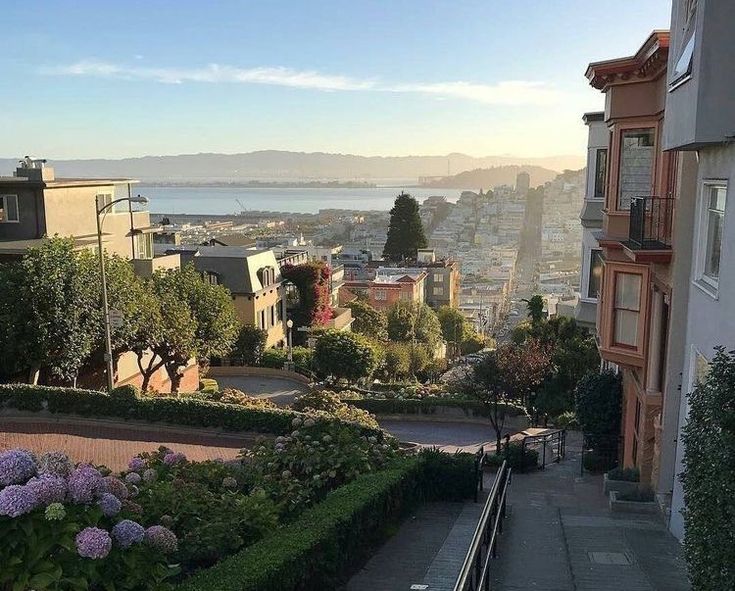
[{"x": 535, "y": 306}]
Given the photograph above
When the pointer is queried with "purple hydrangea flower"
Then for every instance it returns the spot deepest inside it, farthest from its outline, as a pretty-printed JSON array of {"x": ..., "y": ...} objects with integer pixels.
[
  {"x": 173, "y": 458},
  {"x": 127, "y": 532},
  {"x": 109, "y": 504},
  {"x": 133, "y": 478},
  {"x": 84, "y": 483},
  {"x": 161, "y": 538},
  {"x": 56, "y": 463},
  {"x": 150, "y": 475},
  {"x": 116, "y": 487},
  {"x": 48, "y": 488},
  {"x": 16, "y": 500},
  {"x": 93, "y": 542},
  {"x": 136, "y": 464},
  {"x": 16, "y": 467},
  {"x": 133, "y": 507}
]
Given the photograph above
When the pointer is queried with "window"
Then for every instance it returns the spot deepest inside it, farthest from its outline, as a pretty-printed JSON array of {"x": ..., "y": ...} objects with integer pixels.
[
  {"x": 438, "y": 291},
  {"x": 9, "y": 208},
  {"x": 144, "y": 246},
  {"x": 712, "y": 219},
  {"x": 600, "y": 172},
  {"x": 279, "y": 310},
  {"x": 595, "y": 274},
  {"x": 627, "y": 309},
  {"x": 263, "y": 325},
  {"x": 405, "y": 296},
  {"x": 380, "y": 294},
  {"x": 683, "y": 68},
  {"x": 637, "y": 152},
  {"x": 273, "y": 315},
  {"x": 210, "y": 277},
  {"x": 438, "y": 278}
]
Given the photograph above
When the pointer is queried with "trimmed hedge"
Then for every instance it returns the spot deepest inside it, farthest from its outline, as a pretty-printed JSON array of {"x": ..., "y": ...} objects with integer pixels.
[
  {"x": 326, "y": 542},
  {"x": 191, "y": 412},
  {"x": 426, "y": 406},
  {"x": 329, "y": 541}
]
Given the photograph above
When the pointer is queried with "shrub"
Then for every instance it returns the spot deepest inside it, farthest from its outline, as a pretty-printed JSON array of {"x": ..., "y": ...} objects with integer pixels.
[
  {"x": 189, "y": 411},
  {"x": 709, "y": 486},
  {"x": 276, "y": 358},
  {"x": 566, "y": 420},
  {"x": 448, "y": 477},
  {"x": 250, "y": 345},
  {"x": 208, "y": 385},
  {"x": 625, "y": 474},
  {"x": 427, "y": 406},
  {"x": 63, "y": 524},
  {"x": 329, "y": 402},
  {"x": 128, "y": 392},
  {"x": 596, "y": 462},
  {"x": 598, "y": 400},
  {"x": 641, "y": 495},
  {"x": 519, "y": 459},
  {"x": 238, "y": 397}
]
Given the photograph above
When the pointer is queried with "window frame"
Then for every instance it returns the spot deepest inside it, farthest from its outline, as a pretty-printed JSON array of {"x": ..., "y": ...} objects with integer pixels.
[
  {"x": 707, "y": 283},
  {"x": 588, "y": 279},
  {"x": 640, "y": 311},
  {"x": 622, "y": 132},
  {"x": 5, "y": 208},
  {"x": 599, "y": 191}
]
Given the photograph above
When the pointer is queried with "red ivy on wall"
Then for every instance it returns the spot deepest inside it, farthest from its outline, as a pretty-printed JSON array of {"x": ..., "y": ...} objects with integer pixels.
[{"x": 312, "y": 282}]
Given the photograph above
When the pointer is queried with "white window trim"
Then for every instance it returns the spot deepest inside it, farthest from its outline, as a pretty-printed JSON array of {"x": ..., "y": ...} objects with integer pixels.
[
  {"x": 5, "y": 208},
  {"x": 700, "y": 280}
]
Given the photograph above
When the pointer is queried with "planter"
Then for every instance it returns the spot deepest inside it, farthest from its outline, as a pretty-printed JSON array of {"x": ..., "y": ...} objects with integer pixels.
[
  {"x": 621, "y": 486},
  {"x": 640, "y": 507}
]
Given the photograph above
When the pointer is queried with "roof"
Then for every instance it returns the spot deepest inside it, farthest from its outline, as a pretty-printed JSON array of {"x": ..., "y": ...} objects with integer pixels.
[
  {"x": 593, "y": 116},
  {"x": 648, "y": 62},
  {"x": 21, "y": 246},
  {"x": 64, "y": 182}
]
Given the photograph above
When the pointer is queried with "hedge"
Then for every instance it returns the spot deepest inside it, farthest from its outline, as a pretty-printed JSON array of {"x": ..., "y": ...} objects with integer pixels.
[
  {"x": 191, "y": 412},
  {"x": 426, "y": 406},
  {"x": 330, "y": 540}
]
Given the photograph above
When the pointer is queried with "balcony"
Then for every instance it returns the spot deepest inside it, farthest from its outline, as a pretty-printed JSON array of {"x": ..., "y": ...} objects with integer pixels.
[
  {"x": 146, "y": 267},
  {"x": 650, "y": 229}
]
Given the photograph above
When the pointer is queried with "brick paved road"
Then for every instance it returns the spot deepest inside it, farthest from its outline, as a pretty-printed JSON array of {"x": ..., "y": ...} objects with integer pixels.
[
  {"x": 449, "y": 436},
  {"x": 111, "y": 444}
]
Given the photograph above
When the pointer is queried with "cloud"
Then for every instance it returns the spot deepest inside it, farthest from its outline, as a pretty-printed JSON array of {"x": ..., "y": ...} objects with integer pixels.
[{"x": 513, "y": 92}]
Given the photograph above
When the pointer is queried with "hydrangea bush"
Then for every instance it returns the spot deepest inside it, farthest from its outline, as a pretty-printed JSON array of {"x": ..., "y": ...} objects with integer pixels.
[{"x": 64, "y": 527}]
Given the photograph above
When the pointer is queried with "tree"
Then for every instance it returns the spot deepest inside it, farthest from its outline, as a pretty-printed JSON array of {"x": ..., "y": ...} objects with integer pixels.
[
  {"x": 457, "y": 331},
  {"x": 598, "y": 402},
  {"x": 201, "y": 315},
  {"x": 405, "y": 231},
  {"x": 250, "y": 344},
  {"x": 55, "y": 317},
  {"x": 709, "y": 486},
  {"x": 345, "y": 355},
  {"x": 574, "y": 354},
  {"x": 414, "y": 322},
  {"x": 314, "y": 302},
  {"x": 368, "y": 321},
  {"x": 472, "y": 344},
  {"x": 397, "y": 361},
  {"x": 535, "y": 307},
  {"x": 505, "y": 377}
]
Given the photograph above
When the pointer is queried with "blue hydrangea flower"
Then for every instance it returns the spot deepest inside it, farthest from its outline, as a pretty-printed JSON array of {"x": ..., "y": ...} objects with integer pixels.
[
  {"x": 48, "y": 488},
  {"x": 150, "y": 475},
  {"x": 93, "y": 542},
  {"x": 128, "y": 532},
  {"x": 56, "y": 463},
  {"x": 109, "y": 504},
  {"x": 133, "y": 478},
  {"x": 161, "y": 538},
  {"x": 84, "y": 483},
  {"x": 136, "y": 464},
  {"x": 16, "y": 467},
  {"x": 16, "y": 500}
]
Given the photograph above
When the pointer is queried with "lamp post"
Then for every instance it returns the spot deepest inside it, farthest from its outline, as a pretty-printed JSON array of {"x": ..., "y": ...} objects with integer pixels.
[
  {"x": 105, "y": 308},
  {"x": 289, "y": 324}
]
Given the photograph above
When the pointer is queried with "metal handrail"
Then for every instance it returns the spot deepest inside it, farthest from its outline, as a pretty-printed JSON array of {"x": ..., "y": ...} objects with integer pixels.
[
  {"x": 475, "y": 572},
  {"x": 479, "y": 463},
  {"x": 556, "y": 438}
]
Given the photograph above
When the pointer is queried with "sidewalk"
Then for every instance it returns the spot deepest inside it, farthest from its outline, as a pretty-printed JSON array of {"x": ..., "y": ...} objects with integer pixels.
[{"x": 561, "y": 536}]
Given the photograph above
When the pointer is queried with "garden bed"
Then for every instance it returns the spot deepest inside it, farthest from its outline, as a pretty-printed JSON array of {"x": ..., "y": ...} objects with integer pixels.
[
  {"x": 623, "y": 481},
  {"x": 639, "y": 503}
]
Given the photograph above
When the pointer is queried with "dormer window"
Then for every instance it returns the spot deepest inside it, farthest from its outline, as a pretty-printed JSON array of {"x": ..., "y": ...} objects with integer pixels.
[
  {"x": 683, "y": 68},
  {"x": 210, "y": 277},
  {"x": 267, "y": 276}
]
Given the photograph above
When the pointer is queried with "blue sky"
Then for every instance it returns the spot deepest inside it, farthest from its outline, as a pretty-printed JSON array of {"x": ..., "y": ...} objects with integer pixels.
[{"x": 85, "y": 79}]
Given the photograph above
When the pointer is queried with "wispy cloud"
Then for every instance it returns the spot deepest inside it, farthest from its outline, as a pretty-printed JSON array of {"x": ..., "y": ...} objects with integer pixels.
[{"x": 512, "y": 92}]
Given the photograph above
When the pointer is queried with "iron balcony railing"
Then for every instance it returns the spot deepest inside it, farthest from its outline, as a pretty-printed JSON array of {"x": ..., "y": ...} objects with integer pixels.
[{"x": 651, "y": 221}]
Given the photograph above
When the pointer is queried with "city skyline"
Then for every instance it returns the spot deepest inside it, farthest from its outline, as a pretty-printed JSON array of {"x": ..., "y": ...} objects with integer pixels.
[{"x": 105, "y": 81}]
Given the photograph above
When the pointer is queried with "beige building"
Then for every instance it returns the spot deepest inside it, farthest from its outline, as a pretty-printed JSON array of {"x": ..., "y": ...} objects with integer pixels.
[{"x": 252, "y": 276}]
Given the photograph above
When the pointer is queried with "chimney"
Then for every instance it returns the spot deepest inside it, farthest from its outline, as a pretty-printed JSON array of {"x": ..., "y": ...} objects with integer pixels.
[{"x": 34, "y": 169}]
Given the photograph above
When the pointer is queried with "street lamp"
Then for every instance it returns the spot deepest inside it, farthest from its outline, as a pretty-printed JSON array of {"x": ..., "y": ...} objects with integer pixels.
[
  {"x": 105, "y": 308},
  {"x": 289, "y": 324}
]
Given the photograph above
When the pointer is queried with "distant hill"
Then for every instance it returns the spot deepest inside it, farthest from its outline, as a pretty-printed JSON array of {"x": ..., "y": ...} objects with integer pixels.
[
  {"x": 491, "y": 177},
  {"x": 292, "y": 166}
]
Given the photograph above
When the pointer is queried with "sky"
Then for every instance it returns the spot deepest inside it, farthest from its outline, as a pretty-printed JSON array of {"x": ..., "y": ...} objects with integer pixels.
[{"x": 98, "y": 79}]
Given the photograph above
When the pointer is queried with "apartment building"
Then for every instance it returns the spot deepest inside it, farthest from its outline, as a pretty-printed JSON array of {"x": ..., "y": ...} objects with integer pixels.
[
  {"x": 252, "y": 276},
  {"x": 35, "y": 204},
  {"x": 598, "y": 138},
  {"x": 389, "y": 287},
  {"x": 700, "y": 125},
  {"x": 442, "y": 279},
  {"x": 636, "y": 242}
]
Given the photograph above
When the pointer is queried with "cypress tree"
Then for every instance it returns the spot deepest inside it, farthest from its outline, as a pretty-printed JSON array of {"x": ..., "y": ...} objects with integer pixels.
[{"x": 405, "y": 232}]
